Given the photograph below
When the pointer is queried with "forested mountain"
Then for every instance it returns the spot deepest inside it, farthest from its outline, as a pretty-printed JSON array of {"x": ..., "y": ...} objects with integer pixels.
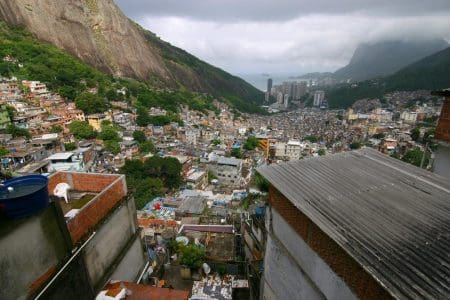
[
  {"x": 385, "y": 58},
  {"x": 429, "y": 73}
]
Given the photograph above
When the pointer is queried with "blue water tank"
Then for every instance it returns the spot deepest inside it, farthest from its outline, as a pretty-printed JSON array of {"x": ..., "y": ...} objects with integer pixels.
[
  {"x": 23, "y": 196},
  {"x": 259, "y": 211}
]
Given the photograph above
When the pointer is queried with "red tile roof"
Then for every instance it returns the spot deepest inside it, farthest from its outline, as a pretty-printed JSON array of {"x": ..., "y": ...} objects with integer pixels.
[
  {"x": 145, "y": 222},
  {"x": 146, "y": 292}
]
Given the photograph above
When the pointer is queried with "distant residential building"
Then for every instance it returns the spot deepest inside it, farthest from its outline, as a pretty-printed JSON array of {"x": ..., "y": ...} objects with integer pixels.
[
  {"x": 36, "y": 87},
  {"x": 279, "y": 149},
  {"x": 268, "y": 91},
  {"x": 409, "y": 117},
  {"x": 280, "y": 98},
  {"x": 191, "y": 136},
  {"x": 66, "y": 161},
  {"x": 319, "y": 96},
  {"x": 197, "y": 180},
  {"x": 351, "y": 115},
  {"x": 228, "y": 170},
  {"x": 286, "y": 100},
  {"x": 298, "y": 90},
  {"x": 95, "y": 120},
  {"x": 293, "y": 150},
  {"x": 388, "y": 145}
]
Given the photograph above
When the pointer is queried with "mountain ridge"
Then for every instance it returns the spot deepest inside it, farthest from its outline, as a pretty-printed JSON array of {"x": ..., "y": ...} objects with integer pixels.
[
  {"x": 429, "y": 73},
  {"x": 385, "y": 58},
  {"x": 98, "y": 33}
]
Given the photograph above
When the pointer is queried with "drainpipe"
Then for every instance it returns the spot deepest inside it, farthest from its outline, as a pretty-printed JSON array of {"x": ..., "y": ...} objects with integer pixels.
[{"x": 143, "y": 272}]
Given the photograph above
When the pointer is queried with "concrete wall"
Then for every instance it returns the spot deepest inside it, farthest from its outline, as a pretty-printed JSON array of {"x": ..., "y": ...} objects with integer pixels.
[
  {"x": 284, "y": 277},
  {"x": 109, "y": 243},
  {"x": 318, "y": 255},
  {"x": 132, "y": 263},
  {"x": 299, "y": 267},
  {"x": 441, "y": 163},
  {"x": 72, "y": 284},
  {"x": 30, "y": 250}
]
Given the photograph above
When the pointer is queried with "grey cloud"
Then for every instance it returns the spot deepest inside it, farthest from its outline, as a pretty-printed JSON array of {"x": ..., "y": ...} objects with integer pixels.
[
  {"x": 277, "y": 10},
  {"x": 287, "y": 36}
]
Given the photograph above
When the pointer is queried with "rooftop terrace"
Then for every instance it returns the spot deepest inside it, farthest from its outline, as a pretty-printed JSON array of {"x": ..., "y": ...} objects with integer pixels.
[{"x": 102, "y": 192}]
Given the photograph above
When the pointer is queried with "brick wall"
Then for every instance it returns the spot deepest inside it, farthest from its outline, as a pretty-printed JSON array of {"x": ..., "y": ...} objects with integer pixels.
[
  {"x": 111, "y": 189},
  {"x": 54, "y": 179},
  {"x": 443, "y": 128},
  {"x": 82, "y": 182},
  {"x": 88, "y": 182},
  {"x": 361, "y": 283}
]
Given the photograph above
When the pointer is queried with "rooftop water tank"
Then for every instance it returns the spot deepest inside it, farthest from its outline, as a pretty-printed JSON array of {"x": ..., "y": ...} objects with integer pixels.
[{"x": 23, "y": 196}]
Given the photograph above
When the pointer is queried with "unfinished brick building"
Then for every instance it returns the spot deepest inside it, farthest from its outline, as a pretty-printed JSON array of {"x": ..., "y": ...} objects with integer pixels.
[{"x": 70, "y": 250}]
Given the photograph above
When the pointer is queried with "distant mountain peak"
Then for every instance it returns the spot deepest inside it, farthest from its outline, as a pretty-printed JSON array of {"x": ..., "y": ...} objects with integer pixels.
[{"x": 371, "y": 60}]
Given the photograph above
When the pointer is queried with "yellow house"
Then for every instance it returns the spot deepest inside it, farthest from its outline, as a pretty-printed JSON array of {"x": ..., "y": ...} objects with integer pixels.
[{"x": 95, "y": 120}]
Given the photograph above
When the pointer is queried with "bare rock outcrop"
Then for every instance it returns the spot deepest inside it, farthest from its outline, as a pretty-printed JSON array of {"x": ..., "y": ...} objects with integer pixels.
[{"x": 95, "y": 31}]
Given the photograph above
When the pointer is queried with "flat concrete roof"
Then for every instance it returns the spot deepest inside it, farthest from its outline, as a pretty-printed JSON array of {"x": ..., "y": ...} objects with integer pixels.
[{"x": 60, "y": 156}]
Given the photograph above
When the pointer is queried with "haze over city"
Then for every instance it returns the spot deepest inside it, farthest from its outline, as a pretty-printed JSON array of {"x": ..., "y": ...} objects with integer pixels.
[{"x": 286, "y": 37}]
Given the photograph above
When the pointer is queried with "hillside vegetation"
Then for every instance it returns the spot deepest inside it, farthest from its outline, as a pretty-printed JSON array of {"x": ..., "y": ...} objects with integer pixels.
[
  {"x": 71, "y": 78},
  {"x": 99, "y": 34}
]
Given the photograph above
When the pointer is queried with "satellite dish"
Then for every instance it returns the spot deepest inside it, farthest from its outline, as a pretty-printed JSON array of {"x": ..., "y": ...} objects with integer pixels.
[
  {"x": 182, "y": 239},
  {"x": 61, "y": 190}
]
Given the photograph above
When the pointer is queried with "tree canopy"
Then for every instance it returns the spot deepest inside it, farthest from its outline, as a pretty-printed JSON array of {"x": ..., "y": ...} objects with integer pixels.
[
  {"x": 311, "y": 138},
  {"x": 415, "y": 157},
  {"x": 109, "y": 133},
  {"x": 139, "y": 136},
  {"x": 82, "y": 130},
  {"x": 16, "y": 131},
  {"x": 151, "y": 177},
  {"x": 91, "y": 103},
  {"x": 251, "y": 143},
  {"x": 236, "y": 152}
]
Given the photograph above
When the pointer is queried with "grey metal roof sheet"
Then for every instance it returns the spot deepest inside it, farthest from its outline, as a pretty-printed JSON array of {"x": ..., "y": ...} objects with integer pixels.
[
  {"x": 391, "y": 217},
  {"x": 230, "y": 161},
  {"x": 192, "y": 205}
]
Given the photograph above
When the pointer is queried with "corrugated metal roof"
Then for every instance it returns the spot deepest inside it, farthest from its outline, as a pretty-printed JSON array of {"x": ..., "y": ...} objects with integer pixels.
[
  {"x": 192, "y": 205},
  {"x": 391, "y": 217},
  {"x": 230, "y": 161}
]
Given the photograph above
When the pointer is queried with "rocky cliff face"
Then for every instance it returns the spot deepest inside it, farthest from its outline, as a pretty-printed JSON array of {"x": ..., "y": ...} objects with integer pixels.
[
  {"x": 95, "y": 31},
  {"x": 98, "y": 33}
]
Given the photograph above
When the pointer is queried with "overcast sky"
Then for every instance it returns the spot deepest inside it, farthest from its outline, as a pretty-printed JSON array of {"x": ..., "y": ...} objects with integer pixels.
[{"x": 286, "y": 36}]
